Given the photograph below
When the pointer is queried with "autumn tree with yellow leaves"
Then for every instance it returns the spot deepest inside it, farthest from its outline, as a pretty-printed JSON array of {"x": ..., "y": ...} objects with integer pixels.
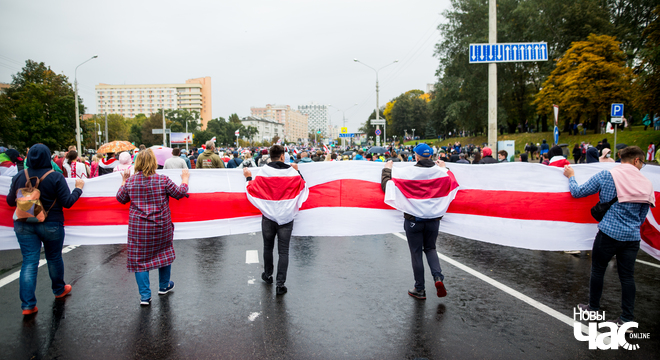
[{"x": 589, "y": 77}]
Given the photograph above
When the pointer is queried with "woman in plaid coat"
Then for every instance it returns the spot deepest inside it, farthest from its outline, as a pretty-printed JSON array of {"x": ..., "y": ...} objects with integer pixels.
[{"x": 150, "y": 227}]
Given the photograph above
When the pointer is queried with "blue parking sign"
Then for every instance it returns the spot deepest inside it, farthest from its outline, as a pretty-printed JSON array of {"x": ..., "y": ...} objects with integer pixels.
[{"x": 617, "y": 110}]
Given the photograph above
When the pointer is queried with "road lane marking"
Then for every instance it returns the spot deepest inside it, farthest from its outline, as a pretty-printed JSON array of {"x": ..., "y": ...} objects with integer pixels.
[
  {"x": 254, "y": 316},
  {"x": 16, "y": 274},
  {"x": 648, "y": 263},
  {"x": 546, "y": 309},
  {"x": 252, "y": 257}
]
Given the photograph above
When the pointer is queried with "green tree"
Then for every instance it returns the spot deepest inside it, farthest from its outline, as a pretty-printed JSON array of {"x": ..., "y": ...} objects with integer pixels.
[
  {"x": 135, "y": 132},
  {"x": 648, "y": 86},
  {"x": 234, "y": 119},
  {"x": 588, "y": 78},
  {"x": 155, "y": 121},
  {"x": 39, "y": 107},
  {"x": 366, "y": 127}
]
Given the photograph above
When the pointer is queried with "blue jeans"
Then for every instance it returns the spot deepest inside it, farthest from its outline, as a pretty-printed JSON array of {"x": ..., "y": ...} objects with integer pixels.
[
  {"x": 421, "y": 238},
  {"x": 30, "y": 237},
  {"x": 604, "y": 249},
  {"x": 142, "y": 279}
]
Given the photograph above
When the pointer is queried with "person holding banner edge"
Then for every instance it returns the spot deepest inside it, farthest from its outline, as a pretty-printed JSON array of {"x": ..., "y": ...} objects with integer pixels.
[{"x": 423, "y": 193}]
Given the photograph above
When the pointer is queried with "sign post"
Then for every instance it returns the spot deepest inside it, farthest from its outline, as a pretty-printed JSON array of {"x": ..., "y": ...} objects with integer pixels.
[
  {"x": 616, "y": 117},
  {"x": 555, "y": 109},
  {"x": 493, "y": 53}
]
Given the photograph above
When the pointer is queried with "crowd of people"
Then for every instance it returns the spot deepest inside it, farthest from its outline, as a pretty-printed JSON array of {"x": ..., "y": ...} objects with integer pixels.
[{"x": 624, "y": 189}]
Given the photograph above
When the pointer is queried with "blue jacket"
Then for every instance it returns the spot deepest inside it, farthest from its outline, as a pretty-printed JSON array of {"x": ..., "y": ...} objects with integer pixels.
[
  {"x": 53, "y": 188},
  {"x": 185, "y": 158}
]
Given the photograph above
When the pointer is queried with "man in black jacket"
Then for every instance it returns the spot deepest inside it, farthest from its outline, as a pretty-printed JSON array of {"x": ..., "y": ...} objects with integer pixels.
[{"x": 421, "y": 233}]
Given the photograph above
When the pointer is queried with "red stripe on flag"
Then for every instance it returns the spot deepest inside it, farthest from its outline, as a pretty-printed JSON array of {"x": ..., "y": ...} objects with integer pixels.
[
  {"x": 276, "y": 187},
  {"x": 524, "y": 205},
  {"x": 426, "y": 189},
  {"x": 341, "y": 193},
  {"x": 650, "y": 234}
]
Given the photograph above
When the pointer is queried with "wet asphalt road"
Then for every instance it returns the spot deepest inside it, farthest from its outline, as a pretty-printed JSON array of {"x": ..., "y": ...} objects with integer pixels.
[{"x": 347, "y": 299}]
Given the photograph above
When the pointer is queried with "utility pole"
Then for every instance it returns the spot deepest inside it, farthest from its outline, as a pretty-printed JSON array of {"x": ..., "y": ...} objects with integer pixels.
[
  {"x": 164, "y": 134},
  {"x": 106, "y": 122},
  {"x": 492, "y": 78}
]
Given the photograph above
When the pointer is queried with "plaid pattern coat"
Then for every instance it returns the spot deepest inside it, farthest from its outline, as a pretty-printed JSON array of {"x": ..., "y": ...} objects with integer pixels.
[{"x": 150, "y": 227}]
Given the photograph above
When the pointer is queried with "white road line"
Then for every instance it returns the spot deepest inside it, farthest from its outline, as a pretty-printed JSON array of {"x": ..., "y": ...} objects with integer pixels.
[
  {"x": 16, "y": 274},
  {"x": 546, "y": 309},
  {"x": 648, "y": 263},
  {"x": 252, "y": 257}
]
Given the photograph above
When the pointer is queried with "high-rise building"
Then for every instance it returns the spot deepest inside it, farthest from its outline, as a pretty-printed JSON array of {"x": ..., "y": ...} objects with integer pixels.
[
  {"x": 295, "y": 123},
  {"x": 130, "y": 100},
  {"x": 318, "y": 117}
]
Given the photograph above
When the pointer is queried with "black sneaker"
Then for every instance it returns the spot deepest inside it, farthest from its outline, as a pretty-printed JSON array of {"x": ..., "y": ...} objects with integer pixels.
[
  {"x": 146, "y": 302},
  {"x": 280, "y": 290},
  {"x": 440, "y": 287},
  {"x": 163, "y": 291},
  {"x": 419, "y": 294},
  {"x": 267, "y": 279}
]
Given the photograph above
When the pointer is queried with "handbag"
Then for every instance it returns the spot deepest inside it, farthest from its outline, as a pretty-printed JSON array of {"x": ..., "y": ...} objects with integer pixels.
[{"x": 599, "y": 210}]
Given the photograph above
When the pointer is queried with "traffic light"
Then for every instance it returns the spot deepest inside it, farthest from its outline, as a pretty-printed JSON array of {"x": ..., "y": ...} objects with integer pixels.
[{"x": 318, "y": 132}]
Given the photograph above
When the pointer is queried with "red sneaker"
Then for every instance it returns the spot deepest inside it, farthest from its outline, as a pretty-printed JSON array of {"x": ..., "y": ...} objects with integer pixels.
[
  {"x": 67, "y": 291},
  {"x": 30, "y": 311},
  {"x": 442, "y": 292}
]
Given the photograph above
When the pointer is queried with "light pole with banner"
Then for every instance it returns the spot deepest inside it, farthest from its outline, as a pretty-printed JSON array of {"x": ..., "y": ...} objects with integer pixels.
[
  {"x": 77, "y": 111},
  {"x": 378, "y": 122}
]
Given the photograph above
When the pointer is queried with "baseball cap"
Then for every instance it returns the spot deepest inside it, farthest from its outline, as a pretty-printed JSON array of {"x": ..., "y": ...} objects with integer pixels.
[{"x": 423, "y": 150}]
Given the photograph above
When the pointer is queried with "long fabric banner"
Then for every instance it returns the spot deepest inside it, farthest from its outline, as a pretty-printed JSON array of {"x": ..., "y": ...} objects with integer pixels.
[{"x": 513, "y": 204}]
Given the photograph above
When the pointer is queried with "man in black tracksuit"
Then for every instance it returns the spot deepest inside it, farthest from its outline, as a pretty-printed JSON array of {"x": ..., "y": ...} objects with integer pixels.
[{"x": 421, "y": 233}]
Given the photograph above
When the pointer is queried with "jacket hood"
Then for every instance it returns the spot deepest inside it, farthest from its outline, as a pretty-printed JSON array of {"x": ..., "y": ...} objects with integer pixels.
[
  {"x": 39, "y": 157},
  {"x": 555, "y": 151},
  {"x": 208, "y": 152},
  {"x": 592, "y": 155}
]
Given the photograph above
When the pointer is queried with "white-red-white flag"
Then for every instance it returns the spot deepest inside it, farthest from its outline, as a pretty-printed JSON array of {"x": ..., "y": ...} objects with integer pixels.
[
  {"x": 325, "y": 149},
  {"x": 213, "y": 139},
  {"x": 420, "y": 191},
  {"x": 237, "y": 133},
  {"x": 277, "y": 193}
]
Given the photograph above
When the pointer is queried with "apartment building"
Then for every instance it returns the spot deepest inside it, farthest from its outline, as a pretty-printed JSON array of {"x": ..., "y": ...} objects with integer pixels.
[
  {"x": 295, "y": 122},
  {"x": 130, "y": 100},
  {"x": 318, "y": 117},
  {"x": 266, "y": 129}
]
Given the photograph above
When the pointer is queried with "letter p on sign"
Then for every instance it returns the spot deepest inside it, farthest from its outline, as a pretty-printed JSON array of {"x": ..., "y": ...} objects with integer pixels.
[{"x": 617, "y": 110}]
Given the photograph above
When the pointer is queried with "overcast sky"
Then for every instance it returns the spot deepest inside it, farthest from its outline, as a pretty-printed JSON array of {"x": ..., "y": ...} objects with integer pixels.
[{"x": 256, "y": 52}]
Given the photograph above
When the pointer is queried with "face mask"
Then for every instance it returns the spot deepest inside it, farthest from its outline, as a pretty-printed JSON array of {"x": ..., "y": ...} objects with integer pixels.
[{"x": 608, "y": 155}]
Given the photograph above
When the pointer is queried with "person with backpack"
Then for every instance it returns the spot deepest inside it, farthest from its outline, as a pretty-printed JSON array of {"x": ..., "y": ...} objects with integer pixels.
[
  {"x": 235, "y": 161},
  {"x": 39, "y": 226}
]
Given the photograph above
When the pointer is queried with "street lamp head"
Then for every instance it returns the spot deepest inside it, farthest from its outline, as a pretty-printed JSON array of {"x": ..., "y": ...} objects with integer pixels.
[
  {"x": 396, "y": 61},
  {"x": 356, "y": 60},
  {"x": 95, "y": 56}
]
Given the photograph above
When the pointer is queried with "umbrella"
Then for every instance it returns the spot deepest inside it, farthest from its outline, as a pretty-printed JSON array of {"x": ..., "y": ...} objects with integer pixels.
[
  {"x": 405, "y": 152},
  {"x": 115, "y": 147},
  {"x": 162, "y": 153},
  {"x": 621, "y": 146},
  {"x": 349, "y": 153},
  {"x": 377, "y": 150}
]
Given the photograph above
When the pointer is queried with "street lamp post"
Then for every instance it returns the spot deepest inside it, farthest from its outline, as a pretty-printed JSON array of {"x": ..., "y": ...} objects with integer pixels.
[
  {"x": 106, "y": 121},
  {"x": 377, "y": 104},
  {"x": 413, "y": 130},
  {"x": 77, "y": 111}
]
